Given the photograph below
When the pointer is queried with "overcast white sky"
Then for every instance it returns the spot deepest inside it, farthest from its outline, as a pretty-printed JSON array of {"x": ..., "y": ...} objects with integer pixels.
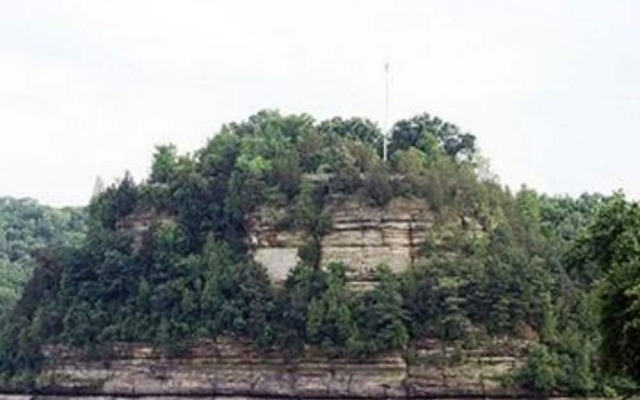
[{"x": 550, "y": 88}]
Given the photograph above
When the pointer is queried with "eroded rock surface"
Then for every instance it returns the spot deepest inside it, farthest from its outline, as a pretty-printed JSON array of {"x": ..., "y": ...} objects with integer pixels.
[
  {"x": 230, "y": 368},
  {"x": 361, "y": 236}
]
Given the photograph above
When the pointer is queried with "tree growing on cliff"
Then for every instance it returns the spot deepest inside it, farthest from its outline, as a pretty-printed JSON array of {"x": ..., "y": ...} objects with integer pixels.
[
  {"x": 379, "y": 317},
  {"x": 330, "y": 323},
  {"x": 304, "y": 286}
]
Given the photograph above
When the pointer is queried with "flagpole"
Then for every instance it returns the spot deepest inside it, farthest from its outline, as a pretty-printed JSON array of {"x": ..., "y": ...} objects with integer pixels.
[{"x": 386, "y": 112}]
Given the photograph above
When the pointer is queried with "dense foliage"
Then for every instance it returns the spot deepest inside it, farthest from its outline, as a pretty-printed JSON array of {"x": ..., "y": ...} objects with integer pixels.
[
  {"x": 166, "y": 260},
  {"x": 608, "y": 255},
  {"x": 25, "y": 227}
]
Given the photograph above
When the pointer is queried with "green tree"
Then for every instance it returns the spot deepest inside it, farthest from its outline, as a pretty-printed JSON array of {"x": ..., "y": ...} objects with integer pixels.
[
  {"x": 26, "y": 227},
  {"x": 165, "y": 161},
  {"x": 379, "y": 317},
  {"x": 330, "y": 323},
  {"x": 355, "y": 129},
  {"x": 304, "y": 285},
  {"x": 539, "y": 373},
  {"x": 431, "y": 135},
  {"x": 612, "y": 243}
]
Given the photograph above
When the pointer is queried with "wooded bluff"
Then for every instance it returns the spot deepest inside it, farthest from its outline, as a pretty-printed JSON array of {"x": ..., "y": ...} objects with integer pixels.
[{"x": 295, "y": 236}]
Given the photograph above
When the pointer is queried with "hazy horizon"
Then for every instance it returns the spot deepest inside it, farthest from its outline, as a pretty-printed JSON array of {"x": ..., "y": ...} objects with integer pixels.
[{"x": 550, "y": 89}]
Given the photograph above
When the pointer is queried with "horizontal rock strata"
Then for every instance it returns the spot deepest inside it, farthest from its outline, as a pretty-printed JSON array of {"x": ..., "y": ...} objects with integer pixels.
[
  {"x": 361, "y": 236},
  {"x": 229, "y": 368}
]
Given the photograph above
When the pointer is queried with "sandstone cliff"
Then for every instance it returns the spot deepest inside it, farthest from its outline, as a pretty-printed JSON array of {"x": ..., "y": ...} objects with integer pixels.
[
  {"x": 231, "y": 368},
  {"x": 360, "y": 235}
]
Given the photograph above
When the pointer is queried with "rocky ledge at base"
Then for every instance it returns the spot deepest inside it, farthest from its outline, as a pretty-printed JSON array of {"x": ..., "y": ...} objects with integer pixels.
[{"x": 232, "y": 369}]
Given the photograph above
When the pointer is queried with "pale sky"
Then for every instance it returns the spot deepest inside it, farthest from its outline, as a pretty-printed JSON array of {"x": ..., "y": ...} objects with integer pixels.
[{"x": 550, "y": 88}]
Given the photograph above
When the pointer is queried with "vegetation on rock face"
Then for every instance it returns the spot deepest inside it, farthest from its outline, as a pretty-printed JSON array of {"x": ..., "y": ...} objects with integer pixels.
[
  {"x": 25, "y": 227},
  {"x": 166, "y": 260}
]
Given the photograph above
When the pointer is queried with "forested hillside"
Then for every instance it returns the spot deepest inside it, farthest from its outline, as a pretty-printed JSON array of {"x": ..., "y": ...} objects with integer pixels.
[
  {"x": 25, "y": 227},
  {"x": 545, "y": 269}
]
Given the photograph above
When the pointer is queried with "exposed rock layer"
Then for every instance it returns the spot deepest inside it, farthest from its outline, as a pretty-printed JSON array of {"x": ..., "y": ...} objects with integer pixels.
[
  {"x": 229, "y": 368},
  {"x": 361, "y": 236}
]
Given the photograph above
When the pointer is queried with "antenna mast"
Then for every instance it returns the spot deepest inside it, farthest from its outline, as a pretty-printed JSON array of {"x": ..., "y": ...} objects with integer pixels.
[{"x": 386, "y": 112}]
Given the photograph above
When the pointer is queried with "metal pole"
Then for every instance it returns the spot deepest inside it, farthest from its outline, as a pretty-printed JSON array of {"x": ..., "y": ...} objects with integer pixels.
[{"x": 386, "y": 112}]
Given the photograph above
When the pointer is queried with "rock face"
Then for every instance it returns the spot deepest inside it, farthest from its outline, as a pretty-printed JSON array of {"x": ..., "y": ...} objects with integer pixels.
[
  {"x": 229, "y": 368},
  {"x": 361, "y": 236}
]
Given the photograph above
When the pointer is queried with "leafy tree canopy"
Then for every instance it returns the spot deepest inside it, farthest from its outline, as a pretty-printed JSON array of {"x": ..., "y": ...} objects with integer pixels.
[{"x": 25, "y": 227}]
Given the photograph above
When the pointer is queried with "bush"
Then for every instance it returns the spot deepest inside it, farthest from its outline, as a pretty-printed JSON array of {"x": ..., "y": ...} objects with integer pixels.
[{"x": 539, "y": 373}]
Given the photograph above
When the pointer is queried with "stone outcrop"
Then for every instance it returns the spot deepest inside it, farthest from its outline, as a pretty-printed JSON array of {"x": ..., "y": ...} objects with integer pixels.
[
  {"x": 230, "y": 368},
  {"x": 138, "y": 224},
  {"x": 360, "y": 235}
]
